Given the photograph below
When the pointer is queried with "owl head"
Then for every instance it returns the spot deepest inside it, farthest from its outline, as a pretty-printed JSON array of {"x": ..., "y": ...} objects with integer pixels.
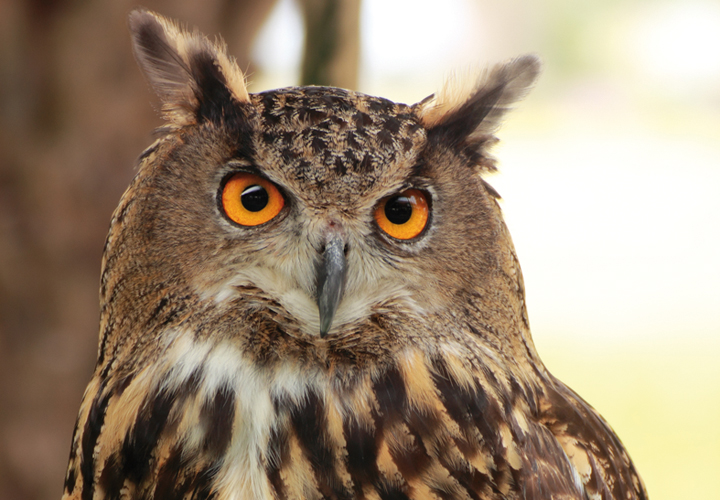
[{"x": 321, "y": 213}]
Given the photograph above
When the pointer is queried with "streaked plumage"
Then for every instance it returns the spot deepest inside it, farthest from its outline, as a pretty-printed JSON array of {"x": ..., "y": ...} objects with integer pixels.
[{"x": 213, "y": 379}]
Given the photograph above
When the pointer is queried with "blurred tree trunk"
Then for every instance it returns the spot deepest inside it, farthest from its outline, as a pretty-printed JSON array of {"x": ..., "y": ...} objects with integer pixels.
[{"x": 332, "y": 42}]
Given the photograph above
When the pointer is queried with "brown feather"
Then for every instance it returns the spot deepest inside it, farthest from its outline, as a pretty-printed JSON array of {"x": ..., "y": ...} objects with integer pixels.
[{"x": 212, "y": 379}]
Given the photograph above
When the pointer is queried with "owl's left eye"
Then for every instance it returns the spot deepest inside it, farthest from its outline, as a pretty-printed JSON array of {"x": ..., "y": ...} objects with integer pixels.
[
  {"x": 404, "y": 215},
  {"x": 250, "y": 200}
]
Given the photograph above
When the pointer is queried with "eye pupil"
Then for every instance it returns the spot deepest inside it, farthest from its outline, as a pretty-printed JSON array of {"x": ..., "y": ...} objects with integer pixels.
[
  {"x": 254, "y": 198},
  {"x": 398, "y": 210}
]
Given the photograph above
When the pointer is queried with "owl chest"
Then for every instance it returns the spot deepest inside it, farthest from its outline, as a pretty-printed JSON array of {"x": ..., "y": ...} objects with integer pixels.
[
  {"x": 298, "y": 436},
  {"x": 295, "y": 433},
  {"x": 278, "y": 432},
  {"x": 261, "y": 432}
]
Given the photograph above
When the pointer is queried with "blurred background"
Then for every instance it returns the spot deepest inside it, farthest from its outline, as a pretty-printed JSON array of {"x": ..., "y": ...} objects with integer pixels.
[{"x": 609, "y": 172}]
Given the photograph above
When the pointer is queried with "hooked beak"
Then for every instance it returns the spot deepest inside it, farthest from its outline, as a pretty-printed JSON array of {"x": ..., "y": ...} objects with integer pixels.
[{"x": 331, "y": 281}]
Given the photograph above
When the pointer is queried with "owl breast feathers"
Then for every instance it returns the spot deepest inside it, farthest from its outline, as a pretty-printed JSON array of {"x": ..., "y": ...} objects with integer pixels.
[{"x": 311, "y": 293}]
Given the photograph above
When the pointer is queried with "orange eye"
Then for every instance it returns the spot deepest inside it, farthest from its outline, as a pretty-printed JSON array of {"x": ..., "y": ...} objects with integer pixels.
[
  {"x": 251, "y": 200},
  {"x": 404, "y": 215}
]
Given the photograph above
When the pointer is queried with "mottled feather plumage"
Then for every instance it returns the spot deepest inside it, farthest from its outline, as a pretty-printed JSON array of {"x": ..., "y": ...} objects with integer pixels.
[{"x": 212, "y": 380}]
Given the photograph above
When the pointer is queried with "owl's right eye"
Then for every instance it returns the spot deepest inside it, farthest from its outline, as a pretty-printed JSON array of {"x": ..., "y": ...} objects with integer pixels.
[
  {"x": 250, "y": 200},
  {"x": 404, "y": 215}
]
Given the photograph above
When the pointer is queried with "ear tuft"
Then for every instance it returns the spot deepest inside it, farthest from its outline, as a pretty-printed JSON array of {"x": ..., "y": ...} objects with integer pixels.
[
  {"x": 194, "y": 78},
  {"x": 467, "y": 111}
]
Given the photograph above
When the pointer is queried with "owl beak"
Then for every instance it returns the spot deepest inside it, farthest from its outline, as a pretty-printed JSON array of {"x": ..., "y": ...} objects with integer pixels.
[{"x": 331, "y": 281}]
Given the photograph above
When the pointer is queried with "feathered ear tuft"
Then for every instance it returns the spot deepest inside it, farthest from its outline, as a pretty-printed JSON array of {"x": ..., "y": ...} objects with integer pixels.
[
  {"x": 195, "y": 79},
  {"x": 467, "y": 112}
]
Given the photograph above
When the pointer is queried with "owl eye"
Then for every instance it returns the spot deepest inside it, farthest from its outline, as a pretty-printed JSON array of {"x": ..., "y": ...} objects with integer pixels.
[
  {"x": 250, "y": 200},
  {"x": 403, "y": 215}
]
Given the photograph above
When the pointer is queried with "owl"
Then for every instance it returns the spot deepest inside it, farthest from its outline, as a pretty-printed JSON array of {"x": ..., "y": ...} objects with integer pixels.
[{"x": 310, "y": 293}]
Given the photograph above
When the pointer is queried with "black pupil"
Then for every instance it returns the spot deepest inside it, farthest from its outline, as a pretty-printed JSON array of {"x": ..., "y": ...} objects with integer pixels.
[
  {"x": 398, "y": 210},
  {"x": 254, "y": 198}
]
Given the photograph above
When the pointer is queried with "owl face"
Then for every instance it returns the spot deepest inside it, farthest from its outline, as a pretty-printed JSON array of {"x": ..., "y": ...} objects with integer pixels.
[
  {"x": 335, "y": 204},
  {"x": 325, "y": 211},
  {"x": 333, "y": 157}
]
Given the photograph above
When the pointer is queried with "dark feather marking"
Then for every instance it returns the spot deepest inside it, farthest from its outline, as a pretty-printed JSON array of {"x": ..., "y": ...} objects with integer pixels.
[
  {"x": 365, "y": 165},
  {"x": 70, "y": 479},
  {"x": 460, "y": 404},
  {"x": 385, "y": 138},
  {"x": 122, "y": 384},
  {"x": 287, "y": 155},
  {"x": 327, "y": 124},
  {"x": 444, "y": 494},
  {"x": 352, "y": 142},
  {"x": 268, "y": 138},
  {"x": 362, "y": 120},
  {"x": 111, "y": 478},
  {"x": 361, "y": 461},
  {"x": 406, "y": 116},
  {"x": 339, "y": 168},
  {"x": 93, "y": 426},
  {"x": 392, "y": 124},
  {"x": 312, "y": 116},
  {"x": 278, "y": 454},
  {"x": 148, "y": 151},
  {"x": 105, "y": 372},
  {"x": 456, "y": 126},
  {"x": 178, "y": 481},
  {"x": 471, "y": 410},
  {"x": 472, "y": 480},
  {"x": 467, "y": 476},
  {"x": 338, "y": 102},
  {"x": 406, "y": 143},
  {"x": 420, "y": 169},
  {"x": 342, "y": 123},
  {"x": 203, "y": 483},
  {"x": 350, "y": 156},
  {"x": 287, "y": 137},
  {"x": 310, "y": 424},
  {"x": 215, "y": 101},
  {"x": 139, "y": 443},
  {"x": 242, "y": 133},
  {"x": 391, "y": 396},
  {"x": 596, "y": 482},
  {"x": 217, "y": 417},
  {"x": 380, "y": 105},
  {"x": 318, "y": 144},
  {"x": 413, "y": 127},
  {"x": 412, "y": 462},
  {"x": 214, "y": 97},
  {"x": 162, "y": 303},
  {"x": 388, "y": 491},
  {"x": 168, "y": 487},
  {"x": 425, "y": 424},
  {"x": 152, "y": 419}
]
